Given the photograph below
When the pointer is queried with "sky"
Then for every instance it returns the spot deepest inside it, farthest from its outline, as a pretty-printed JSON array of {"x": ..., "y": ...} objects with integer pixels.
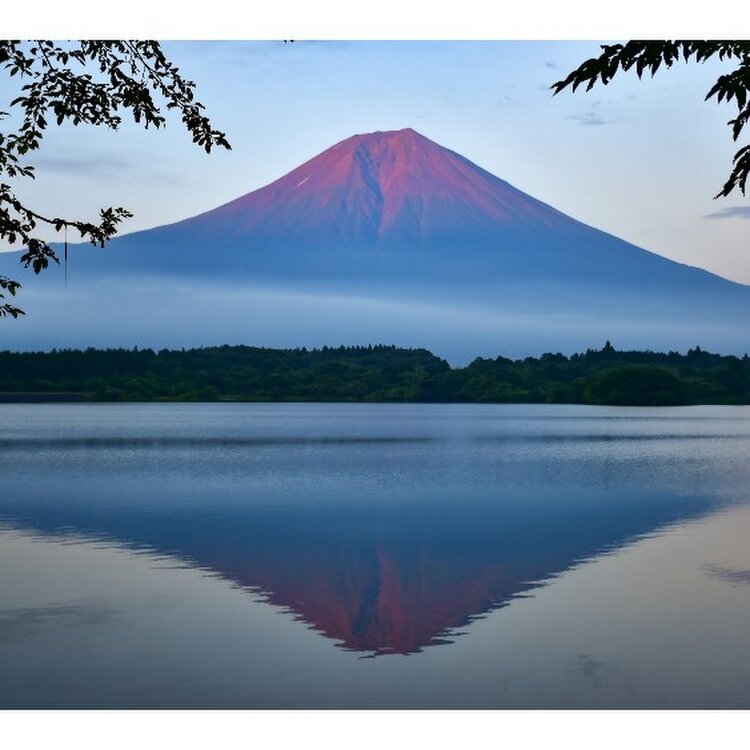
[{"x": 639, "y": 159}]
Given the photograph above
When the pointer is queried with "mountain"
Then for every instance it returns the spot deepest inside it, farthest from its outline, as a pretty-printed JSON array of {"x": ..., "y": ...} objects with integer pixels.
[
  {"x": 381, "y": 189},
  {"x": 394, "y": 205},
  {"x": 387, "y": 237}
]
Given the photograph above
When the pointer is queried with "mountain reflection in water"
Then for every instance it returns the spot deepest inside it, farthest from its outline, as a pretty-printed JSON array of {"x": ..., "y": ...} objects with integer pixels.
[
  {"x": 387, "y": 580},
  {"x": 384, "y": 578},
  {"x": 387, "y": 535}
]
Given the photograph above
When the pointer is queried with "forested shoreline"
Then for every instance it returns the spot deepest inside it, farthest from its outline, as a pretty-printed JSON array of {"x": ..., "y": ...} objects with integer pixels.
[{"x": 373, "y": 373}]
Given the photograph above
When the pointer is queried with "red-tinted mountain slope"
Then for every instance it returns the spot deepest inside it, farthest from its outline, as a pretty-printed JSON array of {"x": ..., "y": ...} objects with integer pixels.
[{"x": 380, "y": 187}]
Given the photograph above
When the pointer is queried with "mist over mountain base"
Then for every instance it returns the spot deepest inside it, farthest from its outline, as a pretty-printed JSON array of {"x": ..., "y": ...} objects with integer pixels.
[{"x": 510, "y": 321}]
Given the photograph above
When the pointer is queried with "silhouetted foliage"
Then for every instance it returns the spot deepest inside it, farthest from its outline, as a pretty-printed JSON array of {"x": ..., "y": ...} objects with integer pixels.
[
  {"x": 649, "y": 56},
  {"x": 87, "y": 82},
  {"x": 637, "y": 385},
  {"x": 6, "y": 308},
  {"x": 373, "y": 373}
]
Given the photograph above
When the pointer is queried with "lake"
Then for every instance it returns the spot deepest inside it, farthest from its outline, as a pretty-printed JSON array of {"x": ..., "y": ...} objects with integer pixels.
[{"x": 374, "y": 556}]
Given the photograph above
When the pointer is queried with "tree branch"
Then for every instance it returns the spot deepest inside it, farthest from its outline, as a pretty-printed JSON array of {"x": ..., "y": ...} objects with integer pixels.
[
  {"x": 651, "y": 55},
  {"x": 54, "y": 88}
]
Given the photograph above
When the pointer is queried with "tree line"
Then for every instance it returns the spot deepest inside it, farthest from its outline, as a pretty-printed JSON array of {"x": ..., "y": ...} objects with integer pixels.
[{"x": 373, "y": 373}]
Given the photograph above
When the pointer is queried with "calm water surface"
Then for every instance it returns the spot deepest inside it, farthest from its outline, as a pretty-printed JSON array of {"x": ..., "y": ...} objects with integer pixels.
[{"x": 370, "y": 555}]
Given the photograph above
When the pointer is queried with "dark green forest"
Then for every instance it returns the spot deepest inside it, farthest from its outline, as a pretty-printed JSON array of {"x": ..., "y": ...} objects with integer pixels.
[{"x": 373, "y": 373}]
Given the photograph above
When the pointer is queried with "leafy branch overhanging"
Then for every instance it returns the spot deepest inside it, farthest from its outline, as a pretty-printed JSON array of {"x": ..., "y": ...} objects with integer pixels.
[
  {"x": 87, "y": 82},
  {"x": 649, "y": 56}
]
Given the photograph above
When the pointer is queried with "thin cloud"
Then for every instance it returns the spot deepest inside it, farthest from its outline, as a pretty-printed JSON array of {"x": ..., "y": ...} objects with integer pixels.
[
  {"x": 734, "y": 212},
  {"x": 90, "y": 166},
  {"x": 105, "y": 168},
  {"x": 589, "y": 117}
]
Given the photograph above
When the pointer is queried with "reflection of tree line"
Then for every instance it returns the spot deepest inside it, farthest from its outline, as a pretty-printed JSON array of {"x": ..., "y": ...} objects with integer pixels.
[{"x": 374, "y": 373}]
